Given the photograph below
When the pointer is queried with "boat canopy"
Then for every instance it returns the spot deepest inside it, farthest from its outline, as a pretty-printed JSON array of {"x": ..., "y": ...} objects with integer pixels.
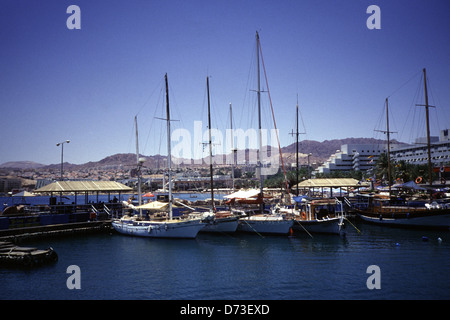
[
  {"x": 23, "y": 194},
  {"x": 246, "y": 194},
  {"x": 299, "y": 199},
  {"x": 154, "y": 205},
  {"x": 332, "y": 183},
  {"x": 251, "y": 196},
  {"x": 409, "y": 185}
]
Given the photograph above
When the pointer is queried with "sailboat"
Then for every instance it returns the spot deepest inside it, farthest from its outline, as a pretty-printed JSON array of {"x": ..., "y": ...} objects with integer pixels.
[
  {"x": 262, "y": 221},
  {"x": 160, "y": 228},
  {"x": 216, "y": 221},
  {"x": 317, "y": 215},
  {"x": 395, "y": 211},
  {"x": 314, "y": 215}
]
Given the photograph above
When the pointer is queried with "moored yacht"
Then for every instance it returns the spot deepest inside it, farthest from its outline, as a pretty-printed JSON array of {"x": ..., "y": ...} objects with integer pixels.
[{"x": 166, "y": 227}]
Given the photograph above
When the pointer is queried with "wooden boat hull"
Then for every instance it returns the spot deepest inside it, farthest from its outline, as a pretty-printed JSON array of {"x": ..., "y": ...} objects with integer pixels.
[
  {"x": 431, "y": 221},
  {"x": 155, "y": 229}
]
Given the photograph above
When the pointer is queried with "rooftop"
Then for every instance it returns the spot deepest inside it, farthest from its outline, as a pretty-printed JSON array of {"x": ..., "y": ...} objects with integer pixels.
[{"x": 85, "y": 186}]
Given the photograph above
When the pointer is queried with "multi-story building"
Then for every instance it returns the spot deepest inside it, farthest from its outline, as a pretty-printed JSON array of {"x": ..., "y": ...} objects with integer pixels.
[
  {"x": 364, "y": 156},
  {"x": 353, "y": 157},
  {"x": 8, "y": 184},
  {"x": 418, "y": 153}
]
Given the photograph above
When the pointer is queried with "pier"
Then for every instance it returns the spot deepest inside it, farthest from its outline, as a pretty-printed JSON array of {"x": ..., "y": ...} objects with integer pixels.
[{"x": 18, "y": 235}]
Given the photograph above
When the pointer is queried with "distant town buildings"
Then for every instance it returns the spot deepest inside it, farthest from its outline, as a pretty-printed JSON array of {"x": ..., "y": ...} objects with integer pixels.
[
  {"x": 350, "y": 157},
  {"x": 7, "y": 184}
]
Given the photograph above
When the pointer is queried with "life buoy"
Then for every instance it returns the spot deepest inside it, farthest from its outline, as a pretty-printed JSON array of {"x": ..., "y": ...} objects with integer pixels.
[
  {"x": 303, "y": 215},
  {"x": 419, "y": 180}
]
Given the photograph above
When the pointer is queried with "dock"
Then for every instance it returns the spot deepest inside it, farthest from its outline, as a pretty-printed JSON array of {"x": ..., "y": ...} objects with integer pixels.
[{"x": 18, "y": 235}]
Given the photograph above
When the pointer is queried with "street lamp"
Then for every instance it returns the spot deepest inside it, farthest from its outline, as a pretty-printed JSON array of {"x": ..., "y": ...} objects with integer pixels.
[
  {"x": 309, "y": 168},
  {"x": 62, "y": 154}
]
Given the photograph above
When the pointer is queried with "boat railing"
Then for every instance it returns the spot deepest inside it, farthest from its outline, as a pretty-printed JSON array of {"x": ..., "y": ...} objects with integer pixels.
[
  {"x": 342, "y": 211},
  {"x": 347, "y": 202},
  {"x": 107, "y": 210},
  {"x": 94, "y": 209},
  {"x": 73, "y": 208}
]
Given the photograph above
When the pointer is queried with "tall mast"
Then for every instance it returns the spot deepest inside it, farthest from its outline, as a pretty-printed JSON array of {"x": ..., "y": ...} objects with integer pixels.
[
  {"x": 169, "y": 152},
  {"x": 138, "y": 167},
  {"x": 259, "y": 165},
  {"x": 388, "y": 147},
  {"x": 210, "y": 149},
  {"x": 296, "y": 150},
  {"x": 232, "y": 148},
  {"x": 296, "y": 147},
  {"x": 430, "y": 179}
]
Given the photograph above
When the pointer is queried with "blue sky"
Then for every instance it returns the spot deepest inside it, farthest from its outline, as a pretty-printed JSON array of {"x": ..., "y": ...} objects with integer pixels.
[{"x": 87, "y": 85}]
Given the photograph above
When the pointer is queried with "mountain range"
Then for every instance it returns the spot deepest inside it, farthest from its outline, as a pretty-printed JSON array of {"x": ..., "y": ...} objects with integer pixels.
[{"x": 319, "y": 151}]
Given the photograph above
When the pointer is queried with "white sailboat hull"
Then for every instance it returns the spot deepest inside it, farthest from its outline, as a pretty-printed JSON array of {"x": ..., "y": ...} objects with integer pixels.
[
  {"x": 331, "y": 225},
  {"x": 156, "y": 229},
  {"x": 265, "y": 225}
]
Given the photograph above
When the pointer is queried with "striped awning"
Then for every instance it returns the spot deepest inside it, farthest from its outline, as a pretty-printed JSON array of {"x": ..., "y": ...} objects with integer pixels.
[{"x": 84, "y": 186}]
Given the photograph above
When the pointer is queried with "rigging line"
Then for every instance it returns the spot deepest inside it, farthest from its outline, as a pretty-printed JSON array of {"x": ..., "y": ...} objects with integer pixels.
[
  {"x": 404, "y": 84},
  {"x": 152, "y": 119},
  {"x": 148, "y": 98},
  {"x": 130, "y": 141},
  {"x": 275, "y": 124},
  {"x": 419, "y": 98},
  {"x": 394, "y": 125},
  {"x": 379, "y": 123},
  {"x": 303, "y": 123},
  {"x": 414, "y": 111},
  {"x": 435, "y": 101},
  {"x": 246, "y": 95}
]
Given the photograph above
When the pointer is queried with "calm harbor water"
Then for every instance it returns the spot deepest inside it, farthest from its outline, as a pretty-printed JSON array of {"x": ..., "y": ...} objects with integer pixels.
[{"x": 241, "y": 267}]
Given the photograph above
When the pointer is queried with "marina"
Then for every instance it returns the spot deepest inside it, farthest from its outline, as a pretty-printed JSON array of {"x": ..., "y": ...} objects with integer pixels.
[
  {"x": 304, "y": 261},
  {"x": 240, "y": 267},
  {"x": 229, "y": 209}
]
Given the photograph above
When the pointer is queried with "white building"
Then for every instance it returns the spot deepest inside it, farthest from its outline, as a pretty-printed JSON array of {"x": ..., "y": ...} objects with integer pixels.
[
  {"x": 418, "y": 153},
  {"x": 353, "y": 157},
  {"x": 364, "y": 156}
]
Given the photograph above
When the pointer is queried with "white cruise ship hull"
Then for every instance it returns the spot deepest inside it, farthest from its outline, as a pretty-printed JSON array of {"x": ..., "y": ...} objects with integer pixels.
[{"x": 159, "y": 229}]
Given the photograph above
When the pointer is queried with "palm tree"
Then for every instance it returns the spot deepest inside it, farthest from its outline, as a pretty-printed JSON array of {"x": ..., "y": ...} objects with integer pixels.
[{"x": 381, "y": 167}]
